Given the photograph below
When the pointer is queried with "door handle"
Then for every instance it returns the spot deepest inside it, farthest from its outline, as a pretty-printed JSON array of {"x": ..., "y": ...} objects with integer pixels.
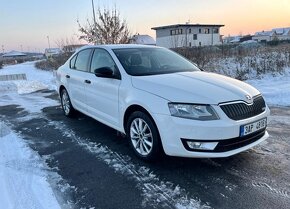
[
  {"x": 87, "y": 81},
  {"x": 67, "y": 76}
]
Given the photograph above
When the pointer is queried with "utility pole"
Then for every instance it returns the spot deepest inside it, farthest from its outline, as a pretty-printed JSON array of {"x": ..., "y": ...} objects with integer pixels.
[
  {"x": 48, "y": 42},
  {"x": 95, "y": 23}
]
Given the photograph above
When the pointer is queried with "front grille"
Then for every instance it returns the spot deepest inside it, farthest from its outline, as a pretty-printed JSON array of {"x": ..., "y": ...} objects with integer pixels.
[{"x": 240, "y": 111}]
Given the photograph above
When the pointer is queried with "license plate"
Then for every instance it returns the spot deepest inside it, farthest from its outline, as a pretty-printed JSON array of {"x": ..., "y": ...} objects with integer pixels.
[{"x": 253, "y": 127}]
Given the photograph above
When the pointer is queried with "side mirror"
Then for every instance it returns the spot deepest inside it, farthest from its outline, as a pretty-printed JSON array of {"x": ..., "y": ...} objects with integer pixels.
[{"x": 104, "y": 72}]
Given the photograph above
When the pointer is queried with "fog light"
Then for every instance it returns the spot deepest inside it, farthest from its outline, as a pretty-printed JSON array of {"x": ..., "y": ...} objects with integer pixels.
[{"x": 202, "y": 145}]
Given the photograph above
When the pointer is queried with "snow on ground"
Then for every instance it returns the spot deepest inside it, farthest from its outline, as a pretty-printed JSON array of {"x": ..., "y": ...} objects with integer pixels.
[
  {"x": 23, "y": 175},
  {"x": 23, "y": 179},
  {"x": 275, "y": 89}
]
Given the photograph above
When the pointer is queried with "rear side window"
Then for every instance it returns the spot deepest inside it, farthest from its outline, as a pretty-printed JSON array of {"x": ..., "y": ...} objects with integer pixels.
[
  {"x": 72, "y": 62},
  {"x": 82, "y": 60}
]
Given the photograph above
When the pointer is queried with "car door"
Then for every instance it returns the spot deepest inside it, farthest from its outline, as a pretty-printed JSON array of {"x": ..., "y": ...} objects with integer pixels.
[
  {"x": 79, "y": 67},
  {"x": 103, "y": 93}
]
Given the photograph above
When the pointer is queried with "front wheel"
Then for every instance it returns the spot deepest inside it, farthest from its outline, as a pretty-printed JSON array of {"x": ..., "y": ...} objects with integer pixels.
[
  {"x": 143, "y": 136},
  {"x": 67, "y": 107}
]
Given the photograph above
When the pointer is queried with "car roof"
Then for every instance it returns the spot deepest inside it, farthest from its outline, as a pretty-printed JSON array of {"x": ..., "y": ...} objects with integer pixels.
[{"x": 117, "y": 46}]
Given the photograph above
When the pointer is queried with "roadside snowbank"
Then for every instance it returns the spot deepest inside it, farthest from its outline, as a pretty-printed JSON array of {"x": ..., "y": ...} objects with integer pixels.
[
  {"x": 36, "y": 79},
  {"x": 23, "y": 177}
]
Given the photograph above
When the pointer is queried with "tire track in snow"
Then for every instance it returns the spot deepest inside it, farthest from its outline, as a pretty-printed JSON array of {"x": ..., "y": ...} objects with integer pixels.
[
  {"x": 262, "y": 185},
  {"x": 155, "y": 192}
]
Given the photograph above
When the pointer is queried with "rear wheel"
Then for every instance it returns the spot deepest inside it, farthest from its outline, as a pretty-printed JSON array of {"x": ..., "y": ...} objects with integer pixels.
[
  {"x": 67, "y": 107},
  {"x": 143, "y": 136}
]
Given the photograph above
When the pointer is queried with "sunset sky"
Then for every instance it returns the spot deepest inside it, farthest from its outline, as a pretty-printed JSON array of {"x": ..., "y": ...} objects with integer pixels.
[{"x": 27, "y": 23}]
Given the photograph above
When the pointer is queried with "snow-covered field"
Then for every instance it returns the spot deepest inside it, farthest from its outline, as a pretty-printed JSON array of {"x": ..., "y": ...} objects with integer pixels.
[
  {"x": 276, "y": 89},
  {"x": 23, "y": 175}
]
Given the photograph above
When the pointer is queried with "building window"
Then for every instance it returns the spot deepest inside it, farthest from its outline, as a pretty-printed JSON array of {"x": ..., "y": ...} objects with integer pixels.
[
  {"x": 189, "y": 44},
  {"x": 206, "y": 30},
  {"x": 175, "y": 32},
  {"x": 215, "y": 30},
  {"x": 189, "y": 30},
  {"x": 194, "y": 36},
  {"x": 199, "y": 30},
  {"x": 199, "y": 43}
]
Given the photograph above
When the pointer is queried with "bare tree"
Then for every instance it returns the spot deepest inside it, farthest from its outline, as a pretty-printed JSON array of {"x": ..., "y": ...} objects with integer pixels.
[
  {"x": 65, "y": 44},
  {"x": 107, "y": 28}
]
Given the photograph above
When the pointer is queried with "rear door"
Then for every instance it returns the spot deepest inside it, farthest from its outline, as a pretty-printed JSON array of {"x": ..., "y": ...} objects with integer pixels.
[{"x": 76, "y": 79}]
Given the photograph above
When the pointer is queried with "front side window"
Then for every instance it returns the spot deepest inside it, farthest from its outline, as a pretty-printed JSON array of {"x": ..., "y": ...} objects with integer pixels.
[
  {"x": 152, "y": 61},
  {"x": 101, "y": 58},
  {"x": 82, "y": 60}
]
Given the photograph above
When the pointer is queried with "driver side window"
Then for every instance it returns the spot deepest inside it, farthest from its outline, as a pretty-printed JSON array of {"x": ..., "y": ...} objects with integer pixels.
[{"x": 101, "y": 58}]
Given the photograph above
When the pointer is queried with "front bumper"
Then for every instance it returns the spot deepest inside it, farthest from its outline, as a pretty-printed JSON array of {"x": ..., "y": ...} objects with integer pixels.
[{"x": 175, "y": 132}]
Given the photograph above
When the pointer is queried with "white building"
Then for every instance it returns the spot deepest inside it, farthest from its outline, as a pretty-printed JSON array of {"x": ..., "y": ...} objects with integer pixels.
[
  {"x": 187, "y": 35},
  {"x": 142, "y": 39},
  {"x": 275, "y": 34}
]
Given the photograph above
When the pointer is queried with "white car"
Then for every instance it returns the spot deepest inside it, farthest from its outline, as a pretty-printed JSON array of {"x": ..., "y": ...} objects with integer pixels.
[{"x": 162, "y": 101}]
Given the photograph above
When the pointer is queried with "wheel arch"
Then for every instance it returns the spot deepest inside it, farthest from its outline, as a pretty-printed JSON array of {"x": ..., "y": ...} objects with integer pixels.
[
  {"x": 134, "y": 108},
  {"x": 61, "y": 87}
]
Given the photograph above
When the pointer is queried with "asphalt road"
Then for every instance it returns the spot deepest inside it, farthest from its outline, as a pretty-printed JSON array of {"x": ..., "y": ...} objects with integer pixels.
[{"x": 99, "y": 170}]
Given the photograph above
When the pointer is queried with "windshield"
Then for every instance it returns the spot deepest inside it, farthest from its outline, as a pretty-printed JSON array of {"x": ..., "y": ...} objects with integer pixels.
[{"x": 152, "y": 61}]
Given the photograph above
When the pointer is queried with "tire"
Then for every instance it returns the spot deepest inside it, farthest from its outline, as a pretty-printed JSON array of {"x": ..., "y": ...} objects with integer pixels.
[
  {"x": 66, "y": 105},
  {"x": 143, "y": 136}
]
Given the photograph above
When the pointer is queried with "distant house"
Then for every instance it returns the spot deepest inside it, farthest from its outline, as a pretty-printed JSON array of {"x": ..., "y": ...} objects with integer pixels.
[
  {"x": 232, "y": 39},
  {"x": 264, "y": 36},
  {"x": 237, "y": 39},
  {"x": 13, "y": 57},
  {"x": 275, "y": 34},
  {"x": 50, "y": 52},
  {"x": 72, "y": 48},
  {"x": 142, "y": 39},
  {"x": 282, "y": 33},
  {"x": 14, "y": 54},
  {"x": 187, "y": 35}
]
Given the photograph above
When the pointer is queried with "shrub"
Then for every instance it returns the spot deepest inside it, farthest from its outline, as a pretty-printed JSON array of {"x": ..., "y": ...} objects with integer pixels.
[
  {"x": 240, "y": 61},
  {"x": 52, "y": 63}
]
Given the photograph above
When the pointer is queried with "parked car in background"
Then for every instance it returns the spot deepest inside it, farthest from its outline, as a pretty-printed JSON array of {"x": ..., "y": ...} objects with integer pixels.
[
  {"x": 52, "y": 52},
  {"x": 162, "y": 101}
]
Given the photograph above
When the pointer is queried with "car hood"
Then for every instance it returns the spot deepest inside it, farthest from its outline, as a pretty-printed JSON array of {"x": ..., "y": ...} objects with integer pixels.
[{"x": 195, "y": 87}]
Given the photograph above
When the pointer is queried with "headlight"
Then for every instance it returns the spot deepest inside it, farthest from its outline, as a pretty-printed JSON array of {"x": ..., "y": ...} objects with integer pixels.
[{"x": 193, "y": 111}]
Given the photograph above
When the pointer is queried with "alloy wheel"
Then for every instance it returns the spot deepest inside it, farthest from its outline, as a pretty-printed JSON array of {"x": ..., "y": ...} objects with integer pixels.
[
  {"x": 65, "y": 102},
  {"x": 141, "y": 136}
]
